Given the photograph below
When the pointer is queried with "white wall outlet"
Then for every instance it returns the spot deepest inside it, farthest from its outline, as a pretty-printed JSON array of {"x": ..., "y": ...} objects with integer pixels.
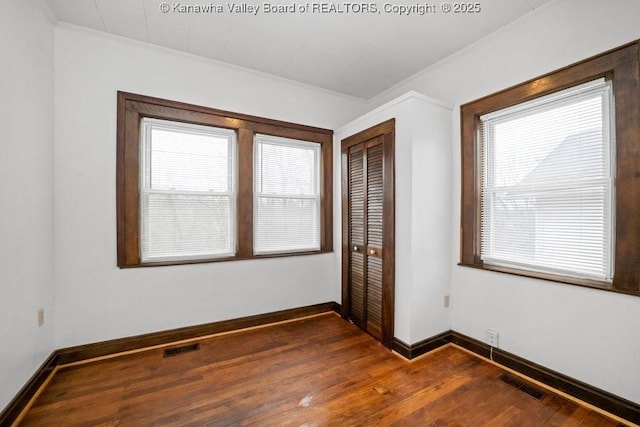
[
  {"x": 446, "y": 301},
  {"x": 41, "y": 317},
  {"x": 492, "y": 338}
]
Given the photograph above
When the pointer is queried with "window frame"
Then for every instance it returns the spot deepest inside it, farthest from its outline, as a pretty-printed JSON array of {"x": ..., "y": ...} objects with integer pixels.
[
  {"x": 132, "y": 108},
  {"x": 622, "y": 67}
]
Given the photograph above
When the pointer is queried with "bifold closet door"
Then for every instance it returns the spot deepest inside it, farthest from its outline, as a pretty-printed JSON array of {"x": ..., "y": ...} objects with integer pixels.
[{"x": 366, "y": 223}]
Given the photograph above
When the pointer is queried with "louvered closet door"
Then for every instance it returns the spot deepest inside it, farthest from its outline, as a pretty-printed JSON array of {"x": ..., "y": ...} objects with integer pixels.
[
  {"x": 366, "y": 223},
  {"x": 374, "y": 221},
  {"x": 357, "y": 234}
]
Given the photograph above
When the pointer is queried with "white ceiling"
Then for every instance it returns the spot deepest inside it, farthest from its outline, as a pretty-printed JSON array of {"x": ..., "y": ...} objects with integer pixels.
[{"x": 357, "y": 54}]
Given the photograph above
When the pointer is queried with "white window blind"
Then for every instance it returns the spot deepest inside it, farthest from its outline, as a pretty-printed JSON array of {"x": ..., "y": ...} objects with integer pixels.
[
  {"x": 286, "y": 195},
  {"x": 187, "y": 192},
  {"x": 547, "y": 183}
]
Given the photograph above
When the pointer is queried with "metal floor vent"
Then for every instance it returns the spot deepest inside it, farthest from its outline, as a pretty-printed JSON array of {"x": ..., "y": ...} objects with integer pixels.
[
  {"x": 180, "y": 350},
  {"x": 514, "y": 382}
]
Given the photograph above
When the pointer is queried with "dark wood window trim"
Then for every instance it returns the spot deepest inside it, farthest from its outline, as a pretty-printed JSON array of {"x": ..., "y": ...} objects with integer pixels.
[
  {"x": 133, "y": 108},
  {"x": 621, "y": 65}
]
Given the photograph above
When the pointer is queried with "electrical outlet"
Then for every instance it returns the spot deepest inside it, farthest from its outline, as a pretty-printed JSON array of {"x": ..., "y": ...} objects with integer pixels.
[
  {"x": 41, "y": 317},
  {"x": 492, "y": 338},
  {"x": 446, "y": 301}
]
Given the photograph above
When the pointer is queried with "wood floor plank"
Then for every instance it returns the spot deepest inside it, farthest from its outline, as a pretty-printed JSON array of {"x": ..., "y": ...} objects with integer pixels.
[{"x": 319, "y": 371}]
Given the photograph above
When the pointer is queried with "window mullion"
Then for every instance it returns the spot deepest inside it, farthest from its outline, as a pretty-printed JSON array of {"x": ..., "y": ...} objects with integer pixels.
[{"x": 245, "y": 193}]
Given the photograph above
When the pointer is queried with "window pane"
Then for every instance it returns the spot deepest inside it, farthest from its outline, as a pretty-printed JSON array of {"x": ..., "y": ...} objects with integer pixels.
[
  {"x": 547, "y": 185},
  {"x": 286, "y": 170},
  {"x": 287, "y": 225},
  {"x": 558, "y": 143},
  {"x": 557, "y": 230},
  {"x": 180, "y": 226},
  {"x": 287, "y": 199},
  {"x": 190, "y": 161}
]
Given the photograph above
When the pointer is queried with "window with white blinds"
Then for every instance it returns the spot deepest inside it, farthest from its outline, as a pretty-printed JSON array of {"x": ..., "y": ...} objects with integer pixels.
[
  {"x": 187, "y": 195},
  {"x": 286, "y": 195},
  {"x": 547, "y": 183}
]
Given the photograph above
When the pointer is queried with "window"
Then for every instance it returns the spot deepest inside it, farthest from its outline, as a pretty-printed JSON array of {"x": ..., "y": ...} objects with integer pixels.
[
  {"x": 549, "y": 176},
  {"x": 287, "y": 196},
  {"x": 196, "y": 184},
  {"x": 187, "y": 198},
  {"x": 547, "y": 181}
]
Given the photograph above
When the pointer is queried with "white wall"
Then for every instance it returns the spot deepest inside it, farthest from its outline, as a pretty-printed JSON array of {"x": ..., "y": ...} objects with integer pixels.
[
  {"x": 423, "y": 198},
  {"x": 26, "y": 192},
  {"x": 430, "y": 219},
  {"x": 587, "y": 334},
  {"x": 94, "y": 299}
]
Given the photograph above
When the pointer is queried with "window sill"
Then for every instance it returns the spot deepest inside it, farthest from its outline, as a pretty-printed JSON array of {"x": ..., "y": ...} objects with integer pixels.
[
  {"x": 225, "y": 259},
  {"x": 587, "y": 283}
]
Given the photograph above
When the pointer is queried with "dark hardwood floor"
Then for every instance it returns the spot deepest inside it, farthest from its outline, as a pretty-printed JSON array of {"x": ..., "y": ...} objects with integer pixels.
[{"x": 318, "y": 371}]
